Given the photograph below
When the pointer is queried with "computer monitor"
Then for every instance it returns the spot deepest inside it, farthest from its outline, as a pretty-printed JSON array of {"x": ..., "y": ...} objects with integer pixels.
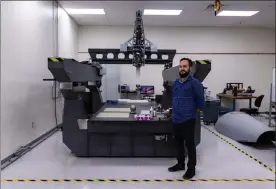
[{"x": 146, "y": 90}]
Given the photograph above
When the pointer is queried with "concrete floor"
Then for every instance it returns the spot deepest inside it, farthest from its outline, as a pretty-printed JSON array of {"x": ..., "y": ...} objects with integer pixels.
[{"x": 216, "y": 160}]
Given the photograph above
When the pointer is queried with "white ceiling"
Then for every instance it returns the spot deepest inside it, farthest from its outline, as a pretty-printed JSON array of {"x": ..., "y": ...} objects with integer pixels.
[{"x": 193, "y": 14}]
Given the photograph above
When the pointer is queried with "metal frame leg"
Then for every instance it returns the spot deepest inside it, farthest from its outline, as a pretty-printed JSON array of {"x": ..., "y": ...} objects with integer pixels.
[
  {"x": 234, "y": 105},
  {"x": 250, "y": 103}
]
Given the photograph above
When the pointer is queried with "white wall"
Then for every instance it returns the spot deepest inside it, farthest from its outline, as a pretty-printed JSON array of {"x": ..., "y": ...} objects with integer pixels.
[
  {"x": 27, "y": 39},
  {"x": 254, "y": 70}
]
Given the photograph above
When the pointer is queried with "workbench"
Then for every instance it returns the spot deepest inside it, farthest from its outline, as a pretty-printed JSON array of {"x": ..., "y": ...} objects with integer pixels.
[
  {"x": 234, "y": 98},
  {"x": 127, "y": 137}
]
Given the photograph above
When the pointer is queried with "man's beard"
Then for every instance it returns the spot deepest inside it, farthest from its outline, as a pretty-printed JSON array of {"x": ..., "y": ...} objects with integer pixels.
[{"x": 183, "y": 75}]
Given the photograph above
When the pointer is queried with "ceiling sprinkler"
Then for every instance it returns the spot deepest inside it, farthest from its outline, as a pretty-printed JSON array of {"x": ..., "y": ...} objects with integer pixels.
[{"x": 216, "y": 6}]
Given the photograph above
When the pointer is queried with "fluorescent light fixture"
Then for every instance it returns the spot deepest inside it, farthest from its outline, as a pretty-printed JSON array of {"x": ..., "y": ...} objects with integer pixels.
[
  {"x": 237, "y": 13},
  {"x": 161, "y": 12},
  {"x": 85, "y": 11}
]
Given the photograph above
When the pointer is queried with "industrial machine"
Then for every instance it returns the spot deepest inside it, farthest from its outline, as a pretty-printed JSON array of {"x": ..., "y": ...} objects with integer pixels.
[{"x": 92, "y": 128}]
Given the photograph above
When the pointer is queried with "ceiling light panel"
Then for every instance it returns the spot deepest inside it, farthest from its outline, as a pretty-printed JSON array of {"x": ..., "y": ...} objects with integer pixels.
[
  {"x": 86, "y": 11},
  {"x": 237, "y": 13},
  {"x": 161, "y": 12}
]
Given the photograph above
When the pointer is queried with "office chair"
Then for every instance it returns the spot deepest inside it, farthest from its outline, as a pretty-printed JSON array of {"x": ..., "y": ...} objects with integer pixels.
[{"x": 254, "y": 111}]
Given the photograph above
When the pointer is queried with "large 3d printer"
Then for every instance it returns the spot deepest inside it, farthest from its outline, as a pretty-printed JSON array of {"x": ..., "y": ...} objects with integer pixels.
[{"x": 93, "y": 128}]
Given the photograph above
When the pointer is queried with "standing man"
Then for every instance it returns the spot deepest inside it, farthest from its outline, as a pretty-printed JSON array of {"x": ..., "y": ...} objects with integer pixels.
[{"x": 187, "y": 101}]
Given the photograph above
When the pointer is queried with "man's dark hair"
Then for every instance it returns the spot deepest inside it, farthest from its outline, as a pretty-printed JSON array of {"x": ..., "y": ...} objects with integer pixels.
[{"x": 189, "y": 60}]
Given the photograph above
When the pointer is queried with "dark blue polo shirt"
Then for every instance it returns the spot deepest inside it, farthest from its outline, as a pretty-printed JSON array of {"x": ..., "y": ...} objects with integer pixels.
[{"x": 187, "y": 97}]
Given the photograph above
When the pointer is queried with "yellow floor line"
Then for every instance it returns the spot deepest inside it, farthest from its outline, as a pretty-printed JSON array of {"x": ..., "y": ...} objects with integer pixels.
[
  {"x": 240, "y": 150},
  {"x": 138, "y": 180}
]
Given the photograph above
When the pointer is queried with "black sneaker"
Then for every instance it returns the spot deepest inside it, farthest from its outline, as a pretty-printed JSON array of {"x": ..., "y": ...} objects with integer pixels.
[
  {"x": 177, "y": 167},
  {"x": 189, "y": 174}
]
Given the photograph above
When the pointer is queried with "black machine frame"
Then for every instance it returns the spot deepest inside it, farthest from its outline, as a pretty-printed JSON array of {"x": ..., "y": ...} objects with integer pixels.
[{"x": 127, "y": 59}]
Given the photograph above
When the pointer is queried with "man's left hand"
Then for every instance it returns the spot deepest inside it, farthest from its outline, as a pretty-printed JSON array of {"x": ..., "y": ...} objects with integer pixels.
[{"x": 198, "y": 110}]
